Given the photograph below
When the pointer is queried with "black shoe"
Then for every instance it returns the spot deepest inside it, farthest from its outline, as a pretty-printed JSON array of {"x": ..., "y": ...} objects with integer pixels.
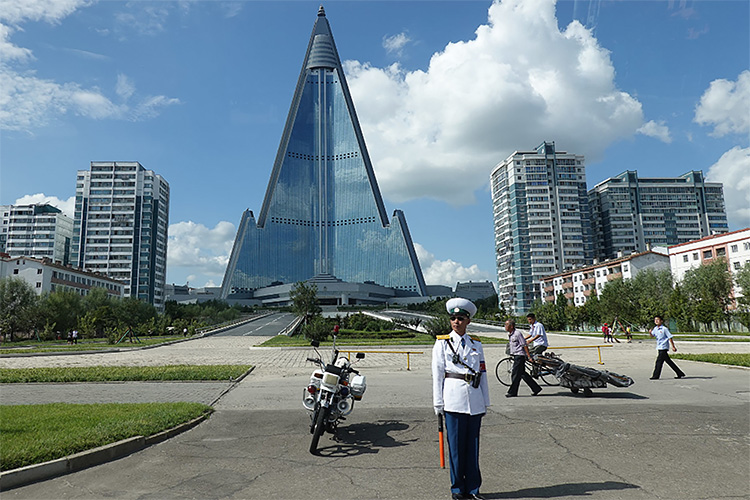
[
  {"x": 536, "y": 392},
  {"x": 653, "y": 378},
  {"x": 460, "y": 496},
  {"x": 680, "y": 376},
  {"x": 475, "y": 496},
  {"x": 510, "y": 395}
]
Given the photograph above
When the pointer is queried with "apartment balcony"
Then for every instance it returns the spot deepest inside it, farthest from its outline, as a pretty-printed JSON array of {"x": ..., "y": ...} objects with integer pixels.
[
  {"x": 614, "y": 276},
  {"x": 588, "y": 281}
]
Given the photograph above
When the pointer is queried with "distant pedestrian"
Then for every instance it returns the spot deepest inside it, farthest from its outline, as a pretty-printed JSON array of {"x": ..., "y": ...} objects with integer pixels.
[
  {"x": 520, "y": 352},
  {"x": 663, "y": 340},
  {"x": 70, "y": 337},
  {"x": 628, "y": 334},
  {"x": 605, "y": 332},
  {"x": 184, "y": 332},
  {"x": 75, "y": 336}
]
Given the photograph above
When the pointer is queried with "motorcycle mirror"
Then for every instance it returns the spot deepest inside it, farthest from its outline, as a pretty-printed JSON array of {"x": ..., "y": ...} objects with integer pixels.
[
  {"x": 315, "y": 343},
  {"x": 360, "y": 355}
]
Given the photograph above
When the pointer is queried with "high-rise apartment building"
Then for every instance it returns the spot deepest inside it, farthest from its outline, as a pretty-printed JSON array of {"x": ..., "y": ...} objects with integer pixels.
[
  {"x": 541, "y": 219},
  {"x": 36, "y": 230},
  {"x": 632, "y": 214},
  {"x": 323, "y": 215},
  {"x": 120, "y": 227}
]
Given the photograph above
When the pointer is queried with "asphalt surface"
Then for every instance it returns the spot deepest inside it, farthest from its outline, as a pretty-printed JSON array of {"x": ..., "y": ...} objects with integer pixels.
[{"x": 666, "y": 439}]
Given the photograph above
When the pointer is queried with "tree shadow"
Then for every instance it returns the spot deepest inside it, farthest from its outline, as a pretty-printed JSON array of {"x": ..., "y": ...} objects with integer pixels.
[
  {"x": 364, "y": 438},
  {"x": 562, "y": 490}
]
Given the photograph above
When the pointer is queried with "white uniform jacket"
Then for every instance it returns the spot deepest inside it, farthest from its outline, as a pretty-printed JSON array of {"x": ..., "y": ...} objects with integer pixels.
[{"x": 456, "y": 395}]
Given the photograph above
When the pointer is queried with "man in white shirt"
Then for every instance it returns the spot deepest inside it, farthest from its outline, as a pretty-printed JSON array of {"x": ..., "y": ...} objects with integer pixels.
[
  {"x": 663, "y": 340},
  {"x": 461, "y": 393},
  {"x": 537, "y": 337}
]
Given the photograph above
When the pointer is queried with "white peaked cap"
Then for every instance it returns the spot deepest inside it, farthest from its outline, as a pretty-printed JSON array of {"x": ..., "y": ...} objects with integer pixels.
[{"x": 458, "y": 305}]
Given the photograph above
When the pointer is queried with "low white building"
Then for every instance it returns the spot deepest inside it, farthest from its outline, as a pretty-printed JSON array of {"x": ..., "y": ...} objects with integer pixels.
[
  {"x": 734, "y": 247},
  {"x": 579, "y": 284},
  {"x": 46, "y": 276}
]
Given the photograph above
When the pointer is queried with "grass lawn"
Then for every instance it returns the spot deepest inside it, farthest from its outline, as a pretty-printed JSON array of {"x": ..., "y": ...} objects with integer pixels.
[
  {"x": 31, "y": 434},
  {"x": 721, "y": 358},
  {"x": 341, "y": 341},
  {"x": 122, "y": 373},
  {"x": 83, "y": 345}
]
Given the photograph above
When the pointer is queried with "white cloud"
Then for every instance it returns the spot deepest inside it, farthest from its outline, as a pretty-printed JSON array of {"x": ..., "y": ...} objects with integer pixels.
[
  {"x": 447, "y": 272},
  {"x": 51, "y": 11},
  {"x": 521, "y": 80},
  {"x": 27, "y": 101},
  {"x": 657, "y": 130},
  {"x": 125, "y": 86},
  {"x": 726, "y": 106},
  {"x": 67, "y": 206},
  {"x": 395, "y": 43},
  {"x": 733, "y": 170},
  {"x": 197, "y": 249}
]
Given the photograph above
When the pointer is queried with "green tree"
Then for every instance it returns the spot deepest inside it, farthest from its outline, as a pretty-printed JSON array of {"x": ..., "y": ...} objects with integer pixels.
[
  {"x": 617, "y": 301},
  {"x": 18, "y": 304},
  {"x": 317, "y": 329},
  {"x": 592, "y": 310},
  {"x": 742, "y": 279},
  {"x": 305, "y": 300},
  {"x": 709, "y": 288},
  {"x": 650, "y": 290},
  {"x": 62, "y": 307},
  {"x": 679, "y": 309}
]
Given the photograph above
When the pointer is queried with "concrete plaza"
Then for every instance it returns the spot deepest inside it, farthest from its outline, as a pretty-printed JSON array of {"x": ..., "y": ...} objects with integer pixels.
[{"x": 667, "y": 439}]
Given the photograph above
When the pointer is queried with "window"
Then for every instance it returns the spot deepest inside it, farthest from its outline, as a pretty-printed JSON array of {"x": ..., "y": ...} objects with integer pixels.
[
  {"x": 707, "y": 254},
  {"x": 734, "y": 248},
  {"x": 720, "y": 252},
  {"x": 39, "y": 271},
  {"x": 15, "y": 271},
  {"x": 38, "y": 284},
  {"x": 684, "y": 258},
  {"x": 695, "y": 255},
  {"x": 736, "y": 266}
]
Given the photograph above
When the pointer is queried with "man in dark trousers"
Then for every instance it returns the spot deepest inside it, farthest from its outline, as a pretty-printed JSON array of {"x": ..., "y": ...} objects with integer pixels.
[
  {"x": 663, "y": 340},
  {"x": 520, "y": 351}
]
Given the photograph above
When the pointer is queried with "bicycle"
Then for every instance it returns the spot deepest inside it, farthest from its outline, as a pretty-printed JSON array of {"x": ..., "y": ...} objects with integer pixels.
[{"x": 504, "y": 369}]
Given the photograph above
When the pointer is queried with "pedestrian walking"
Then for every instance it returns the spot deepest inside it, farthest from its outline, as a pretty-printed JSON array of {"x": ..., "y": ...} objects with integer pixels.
[
  {"x": 461, "y": 393},
  {"x": 75, "y": 336},
  {"x": 520, "y": 352},
  {"x": 605, "y": 332},
  {"x": 663, "y": 340},
  {"x": 628, "y": 334}
]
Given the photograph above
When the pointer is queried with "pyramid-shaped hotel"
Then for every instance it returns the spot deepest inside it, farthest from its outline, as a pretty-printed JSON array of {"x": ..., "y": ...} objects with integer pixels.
[{"x": 323, "y": 219}]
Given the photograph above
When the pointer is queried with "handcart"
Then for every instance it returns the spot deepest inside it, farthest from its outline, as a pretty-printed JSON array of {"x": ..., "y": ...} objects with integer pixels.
[{"x": 578, "y": 378}]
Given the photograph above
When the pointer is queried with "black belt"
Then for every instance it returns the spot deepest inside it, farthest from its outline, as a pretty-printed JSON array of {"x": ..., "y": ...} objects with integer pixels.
[{"x": 467, "y": 377}]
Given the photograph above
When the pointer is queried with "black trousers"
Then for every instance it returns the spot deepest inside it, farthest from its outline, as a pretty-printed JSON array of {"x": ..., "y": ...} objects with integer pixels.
[
  {"x": 662, "y": 358},
  {"x": 519, "y": 373}
]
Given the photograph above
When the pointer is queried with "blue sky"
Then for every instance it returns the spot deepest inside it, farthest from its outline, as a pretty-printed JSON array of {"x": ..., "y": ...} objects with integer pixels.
[{"x": 199, "y": 91}]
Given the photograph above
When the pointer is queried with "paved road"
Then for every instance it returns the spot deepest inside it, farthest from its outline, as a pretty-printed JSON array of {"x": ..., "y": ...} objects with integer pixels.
[
  {"x": 266, "y": 326},
  {"x": 667, "y": 439}
]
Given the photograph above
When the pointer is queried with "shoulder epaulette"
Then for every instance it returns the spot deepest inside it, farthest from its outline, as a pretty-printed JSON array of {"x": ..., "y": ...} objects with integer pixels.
[
  {"x": 443, "y": 337},
  {"x": 475, "y": 339}
]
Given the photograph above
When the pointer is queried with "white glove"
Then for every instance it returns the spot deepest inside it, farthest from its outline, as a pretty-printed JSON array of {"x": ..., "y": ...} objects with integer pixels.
[{"x": 439, "y": 410}]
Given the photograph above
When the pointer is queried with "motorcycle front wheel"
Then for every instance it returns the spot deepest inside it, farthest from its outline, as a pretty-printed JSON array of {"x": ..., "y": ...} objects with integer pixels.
[{"x": 319, "y": 427}]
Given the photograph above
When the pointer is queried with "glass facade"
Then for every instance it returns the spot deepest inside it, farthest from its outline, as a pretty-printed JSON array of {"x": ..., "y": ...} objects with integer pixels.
[{"x": 323, "y": 213}]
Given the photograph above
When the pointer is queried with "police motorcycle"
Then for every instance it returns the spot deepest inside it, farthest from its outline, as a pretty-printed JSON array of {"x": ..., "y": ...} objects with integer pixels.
[{"x": 331, "y": 394}]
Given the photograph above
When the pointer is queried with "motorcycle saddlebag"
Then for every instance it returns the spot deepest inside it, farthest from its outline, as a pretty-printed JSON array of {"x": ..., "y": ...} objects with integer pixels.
[{"x": 357, "y": 385}]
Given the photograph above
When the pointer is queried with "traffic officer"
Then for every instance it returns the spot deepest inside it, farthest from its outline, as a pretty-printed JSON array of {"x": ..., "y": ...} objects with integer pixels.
[{"x": 460, "y": 391}]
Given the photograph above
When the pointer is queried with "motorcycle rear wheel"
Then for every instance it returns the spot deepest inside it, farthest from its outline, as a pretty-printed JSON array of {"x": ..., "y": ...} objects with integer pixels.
[{"x": 319, "y": 427}]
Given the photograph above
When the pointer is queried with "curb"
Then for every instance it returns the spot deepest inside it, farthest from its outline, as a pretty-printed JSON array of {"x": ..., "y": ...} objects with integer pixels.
[{"x": 72, "y": 463}]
